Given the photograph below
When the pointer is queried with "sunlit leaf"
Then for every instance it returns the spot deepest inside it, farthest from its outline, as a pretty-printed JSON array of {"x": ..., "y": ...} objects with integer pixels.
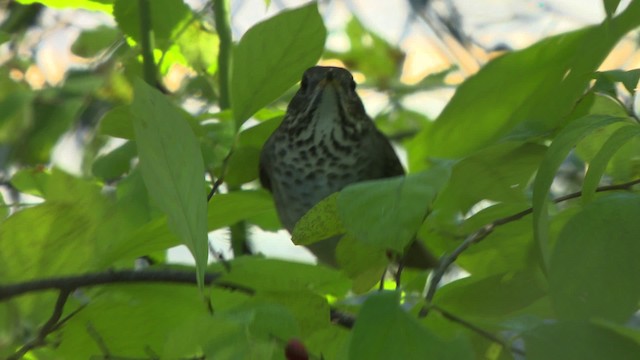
[{"x": 95, "y": 5}]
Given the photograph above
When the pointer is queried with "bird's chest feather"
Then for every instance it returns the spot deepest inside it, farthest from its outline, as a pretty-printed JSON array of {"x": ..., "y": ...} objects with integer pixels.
[{"x": 306, "y": 170}]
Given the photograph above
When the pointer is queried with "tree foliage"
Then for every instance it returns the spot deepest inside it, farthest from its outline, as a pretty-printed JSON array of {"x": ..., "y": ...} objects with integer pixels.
[{"x": 552, "y": 273}]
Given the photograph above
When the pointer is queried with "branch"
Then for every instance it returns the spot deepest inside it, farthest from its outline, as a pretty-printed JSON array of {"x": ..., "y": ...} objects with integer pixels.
[
  {"x": 70, "y": 283},
  {"x": 476, "y": 237}
]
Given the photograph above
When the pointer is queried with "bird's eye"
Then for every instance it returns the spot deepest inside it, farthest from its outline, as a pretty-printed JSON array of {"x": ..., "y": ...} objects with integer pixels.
[
  {"x": 304, "y": 84},
  {"x": 352, "y": 85}
]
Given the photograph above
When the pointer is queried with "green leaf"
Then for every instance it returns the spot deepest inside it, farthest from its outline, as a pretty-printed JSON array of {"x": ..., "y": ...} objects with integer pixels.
[
  {"x": 578, "y": 340},
  {"x": 4, "y": 209},
  {"x": 57, "y": 237},
  {"x": 592, "y": 266},
  {"x": 31, "y": 181},
  {"x": 228, "y": 209},
  {"x": 242, "y": 166},
  {"x": 598, "y": 165},
  {"x": 91, "y": 5},
  {"x": 524, "y": 93},
  {"x": 610, "y": 6},
  {"x": 387, "y": 213},
  {"x": 557, "y": 152},
  {"x": 172, "y": 168},
  {"x": 287, "y": 44},
  {"x": 51, "y": 119},
  {"x": 116, "y": 163},
  {"x": 167, "y": 17},
  {"x": 500, "y": 173},
  {"x": 492, "y": 297},
  {"x": 276, "y": 275},
  {"x": 628, "y": 78},
  {"x": 117, "y": 122},
  {"x": 385, "y": 331},
  {"x": 362, "y": 263},
  {"x": 91, "y": 42},
  {"x": 319, "y": 223},
  {"x": 149, "y": 313}
]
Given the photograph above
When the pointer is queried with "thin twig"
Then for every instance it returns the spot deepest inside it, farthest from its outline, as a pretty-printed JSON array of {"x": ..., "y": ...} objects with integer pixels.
[
  {"x": 477, "y": 330},
  {"x": 476, "y": 237},
  {"x": 223, "y": 173},
  {"x": 48, "y": 327}
]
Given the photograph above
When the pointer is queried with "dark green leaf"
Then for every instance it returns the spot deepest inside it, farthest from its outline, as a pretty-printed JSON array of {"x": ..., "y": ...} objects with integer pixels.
[
  {"x": 498, "y": 173},
  {"x": 557, "y": 152},
  {"x": 167, "y": 17},
  {"x": 116, "y": 163},
  {"x": 491, "y": 297},
  {"x": 598, "y": 165},
  {"x": 242, "y": 166},
  {"x": 610, "y": 6},
  {"x": 592, "y": 263},
  {"x": 385, "y": 331},
  {"x": 118, "y": 122},
  {"x": 363, "y": 264},
  {"x": 578, "y": 340},
  {"x": 172, "y": 168}
]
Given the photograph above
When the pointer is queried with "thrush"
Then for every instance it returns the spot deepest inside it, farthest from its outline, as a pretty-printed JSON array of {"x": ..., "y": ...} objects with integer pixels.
[{"x": 326, "y": 142}]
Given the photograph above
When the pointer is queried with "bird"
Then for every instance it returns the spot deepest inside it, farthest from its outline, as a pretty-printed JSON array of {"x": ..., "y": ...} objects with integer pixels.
[{"x": 326, "y": 141}]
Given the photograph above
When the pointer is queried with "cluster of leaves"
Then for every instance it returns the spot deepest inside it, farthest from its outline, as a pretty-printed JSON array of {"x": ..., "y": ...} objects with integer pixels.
[{"x": 554, "y": 278}]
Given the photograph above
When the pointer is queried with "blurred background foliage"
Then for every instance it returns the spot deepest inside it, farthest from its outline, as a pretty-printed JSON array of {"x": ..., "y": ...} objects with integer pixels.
[{"x": 526, "y": 124}]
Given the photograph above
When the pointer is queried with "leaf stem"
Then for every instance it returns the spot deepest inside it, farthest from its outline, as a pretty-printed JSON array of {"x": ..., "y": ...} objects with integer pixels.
[
  {"x": 146, "y": 44},
  {"x": 223, "y": 28}
]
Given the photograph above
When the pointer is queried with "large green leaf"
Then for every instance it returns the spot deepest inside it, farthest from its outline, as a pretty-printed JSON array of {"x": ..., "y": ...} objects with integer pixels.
[
  {"x": 172, "y": 168},
  {"x": 388, "y": 213},
  {"x": 595, "y": 259},
  {"x": 578, "y": 340},
  {"x": 385, "y": 331},
  {"x": 132, "y": 320},
  {"x": 494, "y": 297},
  {"x": 557, "y": 152},
  {"x": 285, "y": 45},
  {"x": 524, "y": 93}
]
